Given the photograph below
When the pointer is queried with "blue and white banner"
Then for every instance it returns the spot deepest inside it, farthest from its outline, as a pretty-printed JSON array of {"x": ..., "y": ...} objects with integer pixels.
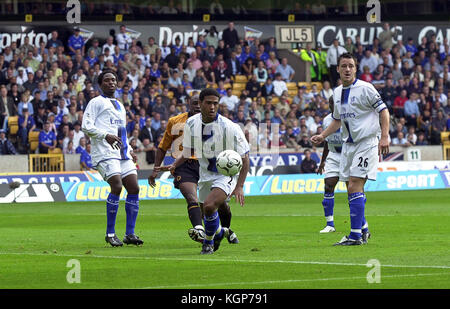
[
  {"x": 270, "y": 185},
  {"x": 270, "y": 159},
  {"x": 55, "y": 177}
]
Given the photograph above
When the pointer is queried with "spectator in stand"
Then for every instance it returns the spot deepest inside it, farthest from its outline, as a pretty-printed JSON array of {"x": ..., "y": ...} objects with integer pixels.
[
  {"x": 366, "y": 75},
  {"x": 260, "y": 72},
  {"x": 47, "y": 139},
  {"x": 438, "y": 125},
  {"x": 368, "y": 60},
  {"x": 421, "y": 139},
  {"x": 411, "y": 136},
  {"x": 411, "y": 110},
  {"x": 279, "y": 85},
  {"x": 76, "y": 43},
  {"x": 6, "y": 147},
  {"x": 230, "y": 36},
  {"x": 386, "y": 37},
  {"x": 308, "y": 165},
  {"x": 267, "y": 89},
  {"x": 54, "y": 41},
  {"x": 229, "y": 100},
  {"x": 253, "y": 87},
  {"x": 26, "y": 124},
  {"x": 233, "y": 65},
  {"x": 123, "y": 39},
  {"x": 399, "y": 104},
  {"x": 286, "y": 71},
  {"x": 333, "y": 54},
  {"x": 222, "y": 73},
  {"x": 400, "y": 140},
  {"x": 85, "y": 159},
  {"x": 272, "y": 63}
]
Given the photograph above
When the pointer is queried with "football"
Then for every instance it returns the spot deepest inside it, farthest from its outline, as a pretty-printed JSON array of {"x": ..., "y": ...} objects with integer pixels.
[{"x": 229, "y": 163}]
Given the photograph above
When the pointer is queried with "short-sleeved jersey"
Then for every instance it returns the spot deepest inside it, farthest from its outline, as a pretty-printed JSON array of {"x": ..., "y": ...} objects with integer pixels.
[
  {"x": 173, "y": 136},
  {"x": 334, "y": 140},
  {"x": 47, "y": 137},
  {"x": 358, "y": 107},
  {"x": 105, "y": 116},
  {"x": 76, "y": 42},
  {"x": 209, "y": 140}
]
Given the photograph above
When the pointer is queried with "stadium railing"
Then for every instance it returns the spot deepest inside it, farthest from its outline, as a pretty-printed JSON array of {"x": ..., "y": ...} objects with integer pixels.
[{"x": 52, "y": 162}]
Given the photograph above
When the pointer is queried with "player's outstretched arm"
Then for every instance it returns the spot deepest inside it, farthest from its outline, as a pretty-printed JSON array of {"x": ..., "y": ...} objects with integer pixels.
[
  {"x": 333, "y": 127},
  {"x": 322, "y": 160},
  {"x": 160, "y": 154},
  {"x": 239, "y": 190}
]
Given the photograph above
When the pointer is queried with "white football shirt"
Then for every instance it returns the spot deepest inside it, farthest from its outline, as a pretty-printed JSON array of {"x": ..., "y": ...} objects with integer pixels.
[
  {"x": 334, "y": 140},
  {"x": 358, "y": 107},
  {"x": 105, "y": 116},
  {"x": 209, "y": 140}
]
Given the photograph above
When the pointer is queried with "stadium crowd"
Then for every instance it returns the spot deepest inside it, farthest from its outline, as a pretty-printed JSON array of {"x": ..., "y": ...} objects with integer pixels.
[{"x": 48, "y": 87}]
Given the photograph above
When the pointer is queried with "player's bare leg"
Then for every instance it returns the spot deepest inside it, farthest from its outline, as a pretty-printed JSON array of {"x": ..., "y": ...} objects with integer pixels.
[
  {"x": 213, "y": 229},
  {"x": 130, "y": 183},
  {"x": 225, "y": 220},
  {"x": 328, "y": 203},
  {"x": 189, "y": 191},
  {"x": 112, "y": 205}
]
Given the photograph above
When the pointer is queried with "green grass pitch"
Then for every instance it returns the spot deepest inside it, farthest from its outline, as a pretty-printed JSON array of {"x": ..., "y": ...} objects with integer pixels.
[{"x": 280, "y": 245}]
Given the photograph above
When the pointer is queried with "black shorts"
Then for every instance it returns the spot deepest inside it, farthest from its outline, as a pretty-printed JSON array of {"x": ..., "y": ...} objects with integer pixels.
[{"x": 187, "y": 172}]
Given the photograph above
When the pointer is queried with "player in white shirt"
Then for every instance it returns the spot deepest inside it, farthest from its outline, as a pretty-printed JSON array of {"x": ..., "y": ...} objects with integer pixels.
[
  {"x": 206, "y": 135},
  {"x": 329, "y": 164},
  {"x": 104, "y": 121},
  {"x": 359, "y": 111}
]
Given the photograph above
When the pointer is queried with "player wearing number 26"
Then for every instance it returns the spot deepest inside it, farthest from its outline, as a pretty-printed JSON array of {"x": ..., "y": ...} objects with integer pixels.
[
  {"x": 358, "y": 111},
  {"x": 206, "y": 135}
]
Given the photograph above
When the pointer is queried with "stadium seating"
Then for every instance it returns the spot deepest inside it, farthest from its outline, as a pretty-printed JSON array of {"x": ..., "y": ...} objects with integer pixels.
[
  {"x": 275, "y": 100},
  {"x": 13, "y": 125},
  {"x": 240, "y": 79},
  {"x": 445, "y": 138},
  {"x": 292, "y": 92},
  {"x": 33, "y": 140},
  {"x": 239, "y": 86},
  {"x": 306, "y": 84},
  {"x": 236, "y": 92},
  {"x": 291, "y": 86}
]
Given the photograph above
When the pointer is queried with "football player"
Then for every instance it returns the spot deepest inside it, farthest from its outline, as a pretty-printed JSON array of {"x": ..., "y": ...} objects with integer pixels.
[
  {"x": 206, "y": 135},
  {"x": 364, "y": 119},
  {"x": 186, "y": 176},
  {"x": 104, "y": 121}
]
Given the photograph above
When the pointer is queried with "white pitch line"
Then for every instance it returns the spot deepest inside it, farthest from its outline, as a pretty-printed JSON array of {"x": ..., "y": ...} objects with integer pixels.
[
  {"x": 244, "y": 215},
  {"x": 285, "y": 281},
  {"x": 220, "y": 260}
]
